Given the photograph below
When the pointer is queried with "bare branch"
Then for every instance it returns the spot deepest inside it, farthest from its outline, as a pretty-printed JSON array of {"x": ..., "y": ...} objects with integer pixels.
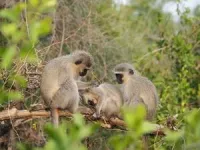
[{"x": 87, "y": 113}]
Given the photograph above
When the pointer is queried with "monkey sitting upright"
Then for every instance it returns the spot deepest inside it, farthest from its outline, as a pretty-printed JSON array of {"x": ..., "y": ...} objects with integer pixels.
[
  {"x": 106, "y": 98},
  {"x": 136, "y": 89},
  {"x": 59, "y": 87}
]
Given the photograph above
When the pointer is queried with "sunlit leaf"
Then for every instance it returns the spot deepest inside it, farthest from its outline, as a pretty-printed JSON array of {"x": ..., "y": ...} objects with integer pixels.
[
  {"x": 34, "y": 3},
  {"x": 21, "y": 80},
  {"x": 8, "y": 56},
  {"x": 15, "y": 95},
  {"x": 38, "y": 29},
  {"x": 78, "y": 119},
  {"x": 13, "y": 14},
  {"x": 134, "y": 116},
  {"x": 9, "y": 29},
  {"x": 148, "y": 127},
  {"x": 50, "y": 3},
  {"x": 173, "y": 135},
  {"x": 192, "y": 118},
  {"x": 27, "y": 53},
  {"x": 11, "y": 95}
]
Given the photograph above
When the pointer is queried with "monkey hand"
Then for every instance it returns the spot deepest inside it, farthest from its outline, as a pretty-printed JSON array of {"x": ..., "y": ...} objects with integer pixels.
[
  {"x": 95, "y": 83},
  {"x": 95, "y": 115}
]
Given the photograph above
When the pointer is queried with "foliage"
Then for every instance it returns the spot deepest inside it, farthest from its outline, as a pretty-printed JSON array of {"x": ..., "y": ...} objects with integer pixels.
[
  {"x": 188, "y": 137},
  {"x": 140, "y": 33},
  {"x": 68, "y": 136},
  {"x": 136, "y": 126},
  {"x": 22, "y": 35}
]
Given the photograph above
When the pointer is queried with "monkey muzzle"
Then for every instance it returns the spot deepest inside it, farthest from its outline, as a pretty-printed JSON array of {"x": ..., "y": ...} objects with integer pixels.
[
  {"x": 119, "y": 78},
  {"x": 83, "y": 73},
  {"x": 91, "y": 102}
]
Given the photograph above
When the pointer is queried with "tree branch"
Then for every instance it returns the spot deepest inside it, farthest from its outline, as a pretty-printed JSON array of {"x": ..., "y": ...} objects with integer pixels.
[{"x": 13, "y": 113}]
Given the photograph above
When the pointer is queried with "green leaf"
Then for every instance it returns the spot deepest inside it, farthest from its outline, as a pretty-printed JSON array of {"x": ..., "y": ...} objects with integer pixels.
[
  {"x": 173, "y": 136},
  {"x": 14, "y": 95},
  {"x": 27, "y": 53},
  {"x": 51, "y": 145},
  {"x": 13, "y": 14},
  {"x": 134, "y": 116},
  {"x": 11, "y": 95},
  {"x": 38, "y": 29},
  {"x": 34, "y": 3},
  {"x": 21, "y": 80},
  {"x": 78, "y": 120},
  {"x": 8, "y": 56},
  {"x": 193, "y": 117},
  {"x": 148, "y": 127},
  {"x": 50, "y": 3},
  {"x": 9, "y": 29},
  {"x": 114, "y": 141}
]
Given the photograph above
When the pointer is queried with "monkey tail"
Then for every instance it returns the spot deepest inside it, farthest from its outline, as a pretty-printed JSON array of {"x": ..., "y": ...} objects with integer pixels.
[{"x": 55, "y": 116}]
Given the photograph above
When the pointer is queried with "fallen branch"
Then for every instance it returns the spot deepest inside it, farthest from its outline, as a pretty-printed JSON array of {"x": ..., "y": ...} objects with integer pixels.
[
  {"x": 19, "y": 114},
  {"x": 13, "y": 113}
]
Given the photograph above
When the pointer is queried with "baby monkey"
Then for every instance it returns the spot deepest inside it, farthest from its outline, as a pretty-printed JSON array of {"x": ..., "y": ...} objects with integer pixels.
[
  {"x": 106, "y": 98},
  {"x": 59, "y": 83},
  {"x": 136, "y": 89}
]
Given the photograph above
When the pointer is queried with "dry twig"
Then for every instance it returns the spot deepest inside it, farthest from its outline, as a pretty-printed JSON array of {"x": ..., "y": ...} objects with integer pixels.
[{"x": 87, "y": 113}]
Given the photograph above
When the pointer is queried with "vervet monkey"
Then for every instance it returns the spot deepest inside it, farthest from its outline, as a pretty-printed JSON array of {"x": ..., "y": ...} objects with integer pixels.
[
  {"x": 106, "y": 98},
  {"x": 59, "y": 87},
  {"x": 136, "y": 89},
  {"x": 84, "y": 85}
]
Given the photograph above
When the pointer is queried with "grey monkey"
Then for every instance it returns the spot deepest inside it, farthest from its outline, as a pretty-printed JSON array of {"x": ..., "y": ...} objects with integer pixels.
[
  {"x": 59, "y": 87},
  {"x": 106, "y": 98},
  {"x": 136, "y": 89}
]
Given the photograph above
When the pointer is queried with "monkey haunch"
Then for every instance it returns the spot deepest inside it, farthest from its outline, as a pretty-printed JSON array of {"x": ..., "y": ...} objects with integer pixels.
[
  {"x": 58, "y": 85},
  {"x": 136, "y": 89},
  {"x": 106, "y": 98}
]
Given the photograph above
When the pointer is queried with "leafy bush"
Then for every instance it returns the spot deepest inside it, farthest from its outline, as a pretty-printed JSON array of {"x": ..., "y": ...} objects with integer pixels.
[
  {"x": 22, "y": 35},
  {"x": 164, "y": 51}
]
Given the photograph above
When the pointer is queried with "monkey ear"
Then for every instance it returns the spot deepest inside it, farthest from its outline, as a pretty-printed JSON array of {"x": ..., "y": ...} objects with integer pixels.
[
  {"x": 78, "y": 62},
  {"x": 131, "y": 71}
]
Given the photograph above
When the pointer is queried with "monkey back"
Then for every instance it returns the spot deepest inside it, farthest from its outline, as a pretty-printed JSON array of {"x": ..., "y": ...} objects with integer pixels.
[{"x": 58, "y": 88}]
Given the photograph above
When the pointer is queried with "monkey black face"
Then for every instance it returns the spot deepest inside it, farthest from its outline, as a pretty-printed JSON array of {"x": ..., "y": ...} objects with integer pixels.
[
  {"x": 87, "y": 63},
  {"x": 131, "y": 72},
  {"x": 119, "y": 78},
  {"x": 91, "y": 103},
  {"x": 83, "y": 73}
]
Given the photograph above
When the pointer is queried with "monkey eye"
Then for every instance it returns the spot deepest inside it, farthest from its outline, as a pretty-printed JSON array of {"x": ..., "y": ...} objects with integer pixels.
[
  {"x": 131, "y": 71},
  {"x": 78, "y": 62}
]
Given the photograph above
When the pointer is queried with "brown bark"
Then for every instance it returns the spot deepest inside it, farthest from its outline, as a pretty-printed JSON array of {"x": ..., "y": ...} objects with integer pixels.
[{"x": 87, "y": 113}]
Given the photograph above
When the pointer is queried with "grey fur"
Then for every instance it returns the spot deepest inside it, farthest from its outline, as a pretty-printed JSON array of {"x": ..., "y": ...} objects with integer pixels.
[
  {"x": 138, "y": 90},
  {"x": 59, "y": 80},
  {"x": 109, "y": 100}
]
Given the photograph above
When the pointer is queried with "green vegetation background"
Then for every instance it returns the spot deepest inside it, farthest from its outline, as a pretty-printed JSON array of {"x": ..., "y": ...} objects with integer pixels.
[{"x": 166, "y": 52}]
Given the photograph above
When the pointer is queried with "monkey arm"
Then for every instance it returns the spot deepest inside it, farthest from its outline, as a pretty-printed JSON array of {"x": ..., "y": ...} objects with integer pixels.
[
  {"x": 99, "y": 106},
  {"x": 84, "y": 85},
  {"x": 98, "y": 110},
  {"x": 63, "y": 75}
]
